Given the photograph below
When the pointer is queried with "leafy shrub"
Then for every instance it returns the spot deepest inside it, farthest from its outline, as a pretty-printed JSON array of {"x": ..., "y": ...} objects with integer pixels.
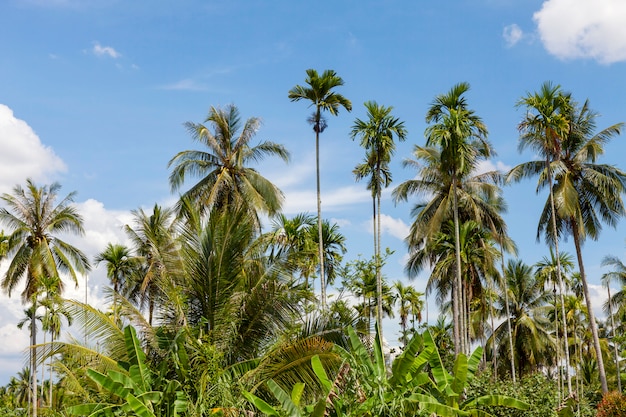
[{"x": 613, "y": 404}]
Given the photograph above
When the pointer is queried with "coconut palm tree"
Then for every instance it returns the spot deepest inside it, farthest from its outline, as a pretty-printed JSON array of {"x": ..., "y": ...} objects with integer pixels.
[
  {"x": 223, "y": 168},
  {"x": 377, "y": 137},
  {"x": 153, "y": 236},
  {"x": 319, "y": 91},
  {"x": 461, "y": 136},
  {"x": 120, "y": 265},
  {"x": 588, "y": 194},
  {"x": 477, "y": 194},
  {"x": 543, "y": 129},
  {"x": 409, "y": 302},
  {"x": 455, "y": 143},
  {"x": 35, "y": 219},
  {"x": 533, "y": 343}
]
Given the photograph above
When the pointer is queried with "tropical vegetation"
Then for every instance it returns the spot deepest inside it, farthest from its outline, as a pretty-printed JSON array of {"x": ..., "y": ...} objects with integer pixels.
[{"x": 213, "y": 303}]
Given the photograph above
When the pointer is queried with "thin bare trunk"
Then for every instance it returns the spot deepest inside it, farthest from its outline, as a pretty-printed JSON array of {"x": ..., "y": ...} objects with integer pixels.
[
  {"x": 457, "y": 283},
  {"x": 33, "y": 356},
  {"x": 559, "y": 277},
  {"x": 508, "y": 312},
  {"x": 592, "y": 318},
  {"x": 379, "y": 277},
  {"x": 320, "y": 238},
  {"x": 619, "y": 378}
]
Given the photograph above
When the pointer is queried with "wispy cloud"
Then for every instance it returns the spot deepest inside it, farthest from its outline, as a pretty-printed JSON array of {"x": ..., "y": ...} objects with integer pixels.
[
  {"x": 512, "y": 34},
  {"x": 105, "y": 51},
  {"x": 571, "y": 29},
  {"x": 187, "y": 84}
]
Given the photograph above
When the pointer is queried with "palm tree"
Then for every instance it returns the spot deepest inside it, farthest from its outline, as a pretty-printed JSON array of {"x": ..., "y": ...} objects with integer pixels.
[
  {"x": 534, "y": 346},
  {"x": 153, "y": 236},
  {"x": 120, "y": 265},
  {"x": 225, "y": 176},
  {"x": 319, "y": 91},
  {"x": 476, "y": 194},
  {"x": 36, "y": 251},
  {"x": 588, "y": 194},
  {"x": 377, "y": 137},
  {"x": 55, "y": 311},
  {"x": 547, "y": 273},
  {"x": 458, "y": 136},
  {"x": 409, "y": 302}
]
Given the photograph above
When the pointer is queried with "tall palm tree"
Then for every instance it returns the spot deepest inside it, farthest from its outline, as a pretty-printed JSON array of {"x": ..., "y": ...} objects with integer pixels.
[
  {"x": 462, "y": 137},
  {"x": 476, "y": 194},
  {"x": 35, "y": 219},
  {"x": 588, "y": 195},
  {"x": 223, "y": 168},
  {"x": 319, "y": 91},
  {"x": 377, "y": 137},
  {"x": 543, "y": 129}
]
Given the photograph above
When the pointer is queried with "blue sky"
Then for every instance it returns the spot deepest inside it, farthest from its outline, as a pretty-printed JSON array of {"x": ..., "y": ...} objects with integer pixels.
[{"x": 95, "y": 93}]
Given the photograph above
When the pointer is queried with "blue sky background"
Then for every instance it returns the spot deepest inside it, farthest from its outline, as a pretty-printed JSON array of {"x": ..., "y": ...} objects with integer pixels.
[{"x": 94, "y": 95}]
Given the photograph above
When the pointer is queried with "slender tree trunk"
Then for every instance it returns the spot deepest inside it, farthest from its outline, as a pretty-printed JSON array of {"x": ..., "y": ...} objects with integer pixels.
[
  {"x": 319, "y": 212},
  {"x": 33, "y": 356},
  {"x": 505, "y": 287},
  {"x": 50, "y": 393},
  {"x": 43, "y": 375},
  {"x": 559, "y": 276},
  {"x": 457, "y": 283},
  {"x": 592, "y": 318},
  {"x": 493, "y": 329},
  {"x": 558, "y": 345},
  {"x": 379, "y": 278},
  {"x": 619, "y": 377}
]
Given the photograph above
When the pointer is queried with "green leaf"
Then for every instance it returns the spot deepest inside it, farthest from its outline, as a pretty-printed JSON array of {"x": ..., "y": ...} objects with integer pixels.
[
  {"x": 320, "y": 372},
  {"x": 136, "y": 357},
  {"x": 284, "y": 399},
  {"x": 108, "y": 384},
  {"x": 261, "y": 405}
]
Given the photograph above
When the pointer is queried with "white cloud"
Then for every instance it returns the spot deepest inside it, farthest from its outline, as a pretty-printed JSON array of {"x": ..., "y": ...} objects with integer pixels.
[
  {"x": 488, "y": 166},
  {"x": 395, "y": 227},
  {"x": 22, "y": 155},
  {"x": 109, "y": 51},
  {"x": 512, "y": 34},
  {"x": 299, "y": 201},
  {"x": 572, "y": 29}
]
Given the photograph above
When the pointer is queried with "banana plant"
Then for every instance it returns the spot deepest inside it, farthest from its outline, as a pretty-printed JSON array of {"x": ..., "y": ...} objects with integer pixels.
[
  {"x": 133, "y": 389},
  {"x": 443, "y": 393}
]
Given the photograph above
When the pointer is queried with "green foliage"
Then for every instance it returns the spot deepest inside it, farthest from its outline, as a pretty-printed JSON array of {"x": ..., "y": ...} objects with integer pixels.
[
  {"x": 613, "y": 404},
  {"x": 539, "y": 392},
  {"x": 134, "y": 389}
]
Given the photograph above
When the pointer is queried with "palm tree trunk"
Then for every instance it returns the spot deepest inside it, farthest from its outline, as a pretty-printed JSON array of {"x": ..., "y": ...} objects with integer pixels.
[
  {"x": 319, "y": 213},
  {"x": 592, "y": 318},
  {"x": 559, "y": 276},
  {"x": 556, "y": 335},
  {"x": 456, "y": 287},
  {"x": 50, "y": 393},
  {"x": 508, "y": 312},
  {"x": 379, "y": 278},
  {"x": 33, "y": 356},
  {"x": 619, "y": 378}
]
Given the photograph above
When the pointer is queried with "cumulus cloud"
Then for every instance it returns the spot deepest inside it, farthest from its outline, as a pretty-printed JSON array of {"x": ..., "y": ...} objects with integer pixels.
[
  {"x": 105, "y": 51},
  {"x": 22, "y": 154},
  {"x": 512, "y": 34},
  {"x": 488, "y": 166},
  {"x": 572, "y": 29}
]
